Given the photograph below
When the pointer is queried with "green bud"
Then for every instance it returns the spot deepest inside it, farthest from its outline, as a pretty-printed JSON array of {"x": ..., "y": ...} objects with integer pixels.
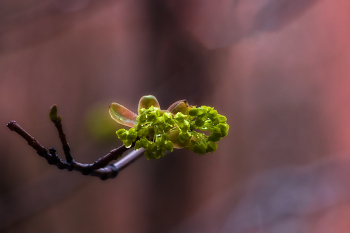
[
  {"x": 200, "y": 148},
  {"x": 220, "y": 119},
  {"x": 160, "y": 120},
  {"x": 144, "y": 142},
  {"x": 193, "y": 111},
  {"x": 159, "y": 141},
  {"x": 224, "y": 129},
  {"x": 201, "y": 111},
  {"x": 167, "y": 116},
  {"x": 199, "y": 122},
  {"x": 167, "y": 127},
  {"x": 53, "y": 113},
  {"x": 138, "y": 127},
  {"x": 151, "y": 131},
  {"x": 207, "y": 108},
  {"x": 143, "y": 133},
  {"x": 212, "y": 146},
  {"x": 185, "y": 125},
  {"x": 152, "y": 117},
  {"x": 141, "y": 118},
  {"x": 169, "y": 146},
  {"x": 215, "y": 136},
  {"x": 141, "y": 111},
  {"x": 127, "y": 143},
  {"x": 168, "y": 119},
  {"x": 184, "y": 136},
  {"x": 159, "y": 154},
  {"x": 138, "y": 145},
  {"x": 179, "y": 117},
  {"x": 149, "y": 154},
  {"x": 165, "y": 136},
  {"x": 122, "y": 134},
  {"x": 212, "y": 114},
  {"x": 152, "y": 147},
  {"x": 132, "y": 135}
]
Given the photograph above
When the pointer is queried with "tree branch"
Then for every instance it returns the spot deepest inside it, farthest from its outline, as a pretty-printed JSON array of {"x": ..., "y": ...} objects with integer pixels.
[{"x": 99, "y": 168}]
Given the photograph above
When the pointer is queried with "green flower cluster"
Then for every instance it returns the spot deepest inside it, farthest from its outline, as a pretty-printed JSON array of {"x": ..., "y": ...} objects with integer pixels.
[
  {"x": 151, "y": 129},
  {"x": 206, "y": 118},
  {"x": 160, "y": 130}
]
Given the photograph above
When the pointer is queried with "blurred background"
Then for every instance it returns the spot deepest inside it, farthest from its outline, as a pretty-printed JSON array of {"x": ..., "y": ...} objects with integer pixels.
[{"x": 278, "y": 69}]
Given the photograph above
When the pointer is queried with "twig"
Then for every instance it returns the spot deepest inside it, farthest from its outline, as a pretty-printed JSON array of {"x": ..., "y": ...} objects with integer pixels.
[{"x": 99, "y": 168}]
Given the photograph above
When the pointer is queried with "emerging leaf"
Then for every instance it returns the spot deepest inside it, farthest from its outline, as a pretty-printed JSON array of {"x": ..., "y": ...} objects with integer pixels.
[
  {"x": 147, "y": 101},
  {"x": 179, "y": 106},
  {"x": 122, "y": 115}
]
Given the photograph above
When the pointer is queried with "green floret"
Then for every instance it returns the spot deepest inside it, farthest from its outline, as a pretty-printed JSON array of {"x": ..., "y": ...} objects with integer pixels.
[
  {"x": 169, "y": 146},
  {"x": 193, "y": 111},
  {"x": 200, "y": 148},
  {"x": 215, "y": 136},
  {"x": 142, "y": 132},
  {"x": 180, "y": 117},
  {"x": 184, "y": 136},
  {"x": 224, "y": 129},
  {"x": 132, "y": 135},
  {"x": 199, "y": 122},
  {"x": 212, "y": 146}
]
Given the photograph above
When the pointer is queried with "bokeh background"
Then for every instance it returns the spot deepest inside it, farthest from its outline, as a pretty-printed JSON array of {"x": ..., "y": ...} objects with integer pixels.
[{"x": 278, "y": 69}]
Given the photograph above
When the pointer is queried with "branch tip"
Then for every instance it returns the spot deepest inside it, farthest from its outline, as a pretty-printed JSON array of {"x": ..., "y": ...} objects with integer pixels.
[
  {"x": 11, "y": 124},
  {"x": 100, "y": 168},
  {"x": 53, "y": 113}
]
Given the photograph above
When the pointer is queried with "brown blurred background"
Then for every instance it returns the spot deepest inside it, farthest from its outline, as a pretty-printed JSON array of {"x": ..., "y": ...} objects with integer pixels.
[{"x": 278, "y": 69}]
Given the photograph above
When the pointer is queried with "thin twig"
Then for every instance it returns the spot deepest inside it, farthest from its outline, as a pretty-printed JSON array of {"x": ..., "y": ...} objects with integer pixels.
[
  {"x": 65, "y": 145},
  {"x": 99, "y": 168}
]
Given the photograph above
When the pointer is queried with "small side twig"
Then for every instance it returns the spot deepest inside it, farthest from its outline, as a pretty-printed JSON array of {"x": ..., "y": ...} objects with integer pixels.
[{"x": 99, "y": 168}]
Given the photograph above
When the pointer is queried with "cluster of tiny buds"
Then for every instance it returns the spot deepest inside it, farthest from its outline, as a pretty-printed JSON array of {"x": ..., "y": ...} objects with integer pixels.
[{"x": 158, "y": 131}]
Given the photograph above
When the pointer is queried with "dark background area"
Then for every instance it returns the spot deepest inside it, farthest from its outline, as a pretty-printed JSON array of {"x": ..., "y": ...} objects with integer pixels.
[{"x": 278, "y": 69}]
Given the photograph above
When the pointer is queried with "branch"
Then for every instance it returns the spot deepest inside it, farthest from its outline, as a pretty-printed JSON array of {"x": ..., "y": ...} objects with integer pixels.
[{"x": 99, "y": 168}]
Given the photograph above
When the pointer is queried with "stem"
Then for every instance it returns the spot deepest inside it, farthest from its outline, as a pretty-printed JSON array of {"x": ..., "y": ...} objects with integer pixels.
[{"x": 99, "y": 168}]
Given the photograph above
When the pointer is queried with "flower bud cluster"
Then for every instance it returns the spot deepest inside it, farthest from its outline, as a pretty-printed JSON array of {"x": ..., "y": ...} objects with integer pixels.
[
  {"x": 205, "y": 118},
  {"x": 154, "y": 127}
]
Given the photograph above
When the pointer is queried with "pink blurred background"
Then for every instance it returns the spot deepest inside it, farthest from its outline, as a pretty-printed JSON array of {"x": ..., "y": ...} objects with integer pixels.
[{"x": 278, "y": 69}]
